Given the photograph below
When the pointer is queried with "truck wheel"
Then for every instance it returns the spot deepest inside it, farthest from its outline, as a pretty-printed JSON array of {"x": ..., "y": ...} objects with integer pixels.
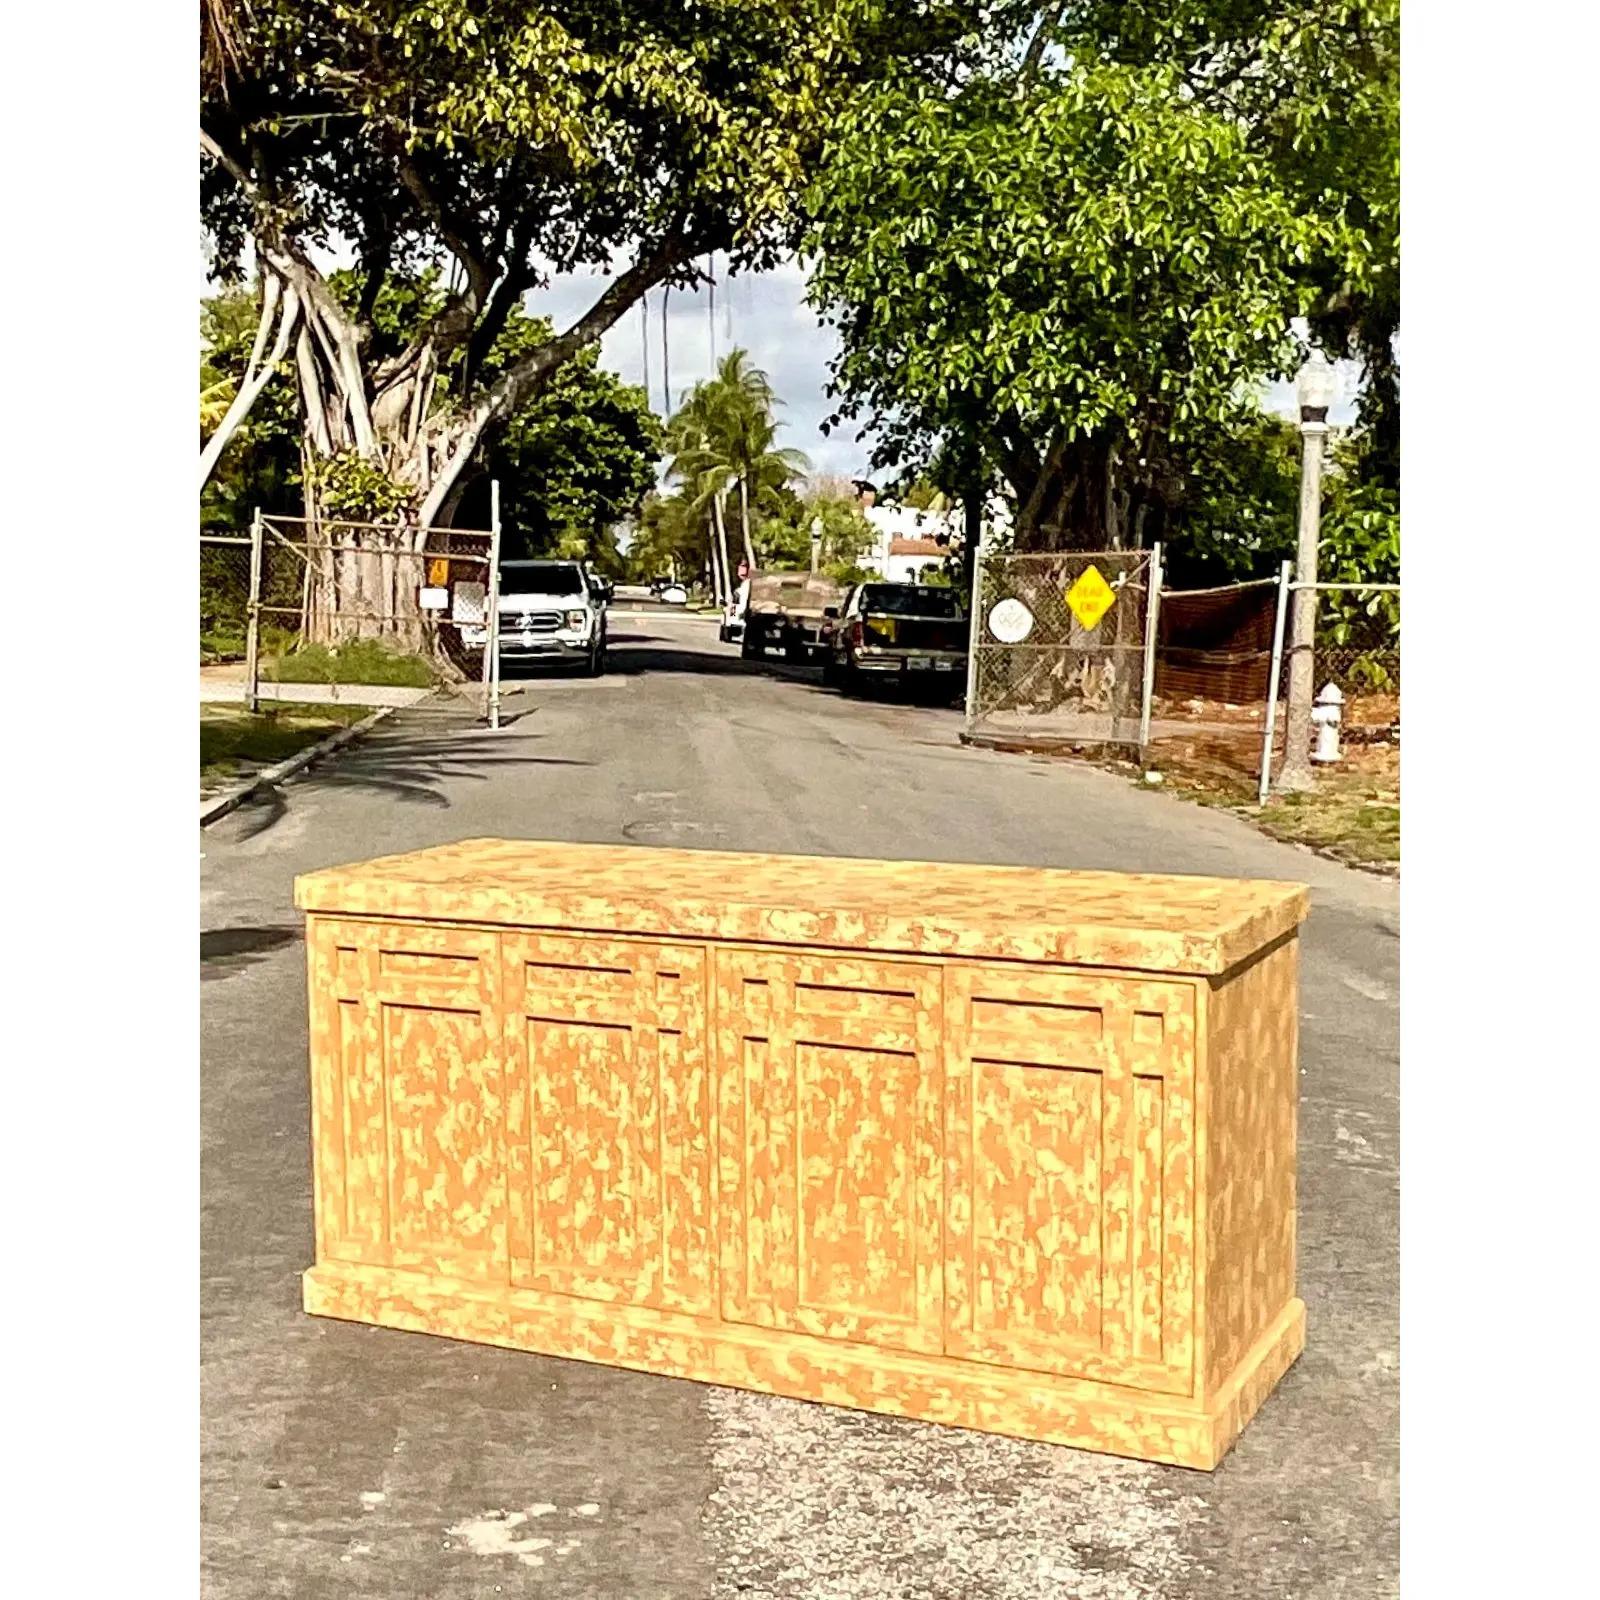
[{"x": 750, "y": 645}]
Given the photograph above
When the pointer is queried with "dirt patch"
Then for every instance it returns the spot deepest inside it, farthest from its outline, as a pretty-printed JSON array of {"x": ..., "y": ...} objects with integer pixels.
[{"x": 1210, "y": 752}]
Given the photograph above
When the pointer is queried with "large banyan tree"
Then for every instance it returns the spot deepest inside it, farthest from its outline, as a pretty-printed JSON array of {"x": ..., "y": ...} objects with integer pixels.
[{"x": 508, "y": 142}]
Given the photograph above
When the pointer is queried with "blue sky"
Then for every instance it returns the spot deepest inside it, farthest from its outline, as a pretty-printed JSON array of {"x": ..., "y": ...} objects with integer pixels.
[{"x": 766, "y": 314}]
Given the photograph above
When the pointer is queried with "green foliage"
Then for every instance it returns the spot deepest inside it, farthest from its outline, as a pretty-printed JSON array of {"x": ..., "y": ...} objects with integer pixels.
[
  {"x": 1239, "y": 519},
  {"x": 723, "y": 453},
  {"x": 515, "y": 143},
  {"x": 1077, "y": 270},
  {"x": 350, "y": 488},
  {"x": 358, "y": 661},
  {"x": 669, "y": 541},
  {"x": 1360, "y": 544},
  {"x": 1236, "y": 508},
  {"x": 261, "y": 465},
  {"x": 559, "y": 134},
  {"x": 1318, "y": 86},
  {"x": 575, "y": 459},
  {"x": 783, "y": 536}
]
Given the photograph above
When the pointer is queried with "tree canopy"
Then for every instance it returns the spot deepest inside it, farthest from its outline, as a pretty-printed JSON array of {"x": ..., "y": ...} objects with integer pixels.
[
  {"x": 1077, "y": 261},
  {"x": 724, "y": 455},
  {"x": 511, "y": 143}
]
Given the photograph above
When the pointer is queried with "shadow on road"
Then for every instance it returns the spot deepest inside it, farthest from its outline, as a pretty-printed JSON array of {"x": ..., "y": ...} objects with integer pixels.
[
  {"x": 225, "y": 951},
  {"x": 626, "y": 661},
  {"x": 411, "y": 764},
  {"x": 935, "y": 695}
]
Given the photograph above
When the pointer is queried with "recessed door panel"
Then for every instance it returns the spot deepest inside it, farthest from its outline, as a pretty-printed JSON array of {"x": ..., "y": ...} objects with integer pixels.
[
  {"x": 609, "y": 1121},
  {"x": 1069, "y": 1186},
  {"x": 829, "y": 1084},
  {"x": 408, "y": 1082}
]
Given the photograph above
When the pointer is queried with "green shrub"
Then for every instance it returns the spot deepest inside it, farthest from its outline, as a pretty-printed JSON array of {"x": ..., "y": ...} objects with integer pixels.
[{"x": 359, "y": 661}]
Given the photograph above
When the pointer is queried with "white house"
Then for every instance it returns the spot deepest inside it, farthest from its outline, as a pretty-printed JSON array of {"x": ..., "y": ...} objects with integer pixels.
[{"x": 908, "y": 540}]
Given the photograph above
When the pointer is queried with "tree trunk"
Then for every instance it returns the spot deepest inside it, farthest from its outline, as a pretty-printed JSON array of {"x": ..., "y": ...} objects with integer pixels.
[
  {"x": 1074, "y": 499},
  {"x": 722, "y": 550},
  {"x": 744, "y": 523},
  {"x": 383, "y": 419},
  {"x": 258, "y": 373},
  {"x": 715, "y": 564}
]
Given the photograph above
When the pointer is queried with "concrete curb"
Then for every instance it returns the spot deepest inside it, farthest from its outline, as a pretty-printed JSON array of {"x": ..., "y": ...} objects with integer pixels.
[{"x": 230, "y": 799}]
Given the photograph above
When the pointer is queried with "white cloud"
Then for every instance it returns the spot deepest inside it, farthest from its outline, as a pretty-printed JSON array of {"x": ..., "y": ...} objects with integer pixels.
[{"x": 766, "y": 314}]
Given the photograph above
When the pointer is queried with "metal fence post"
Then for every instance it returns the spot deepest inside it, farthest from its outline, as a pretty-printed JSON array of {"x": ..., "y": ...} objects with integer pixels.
[
  {"x": 252, "y": 626},
  {"x": 1152, "y": 613},
  {"x": 974, "y": 631},
  {"x": 1284, "y": 586},
  {"x": 491, "y": 658}
]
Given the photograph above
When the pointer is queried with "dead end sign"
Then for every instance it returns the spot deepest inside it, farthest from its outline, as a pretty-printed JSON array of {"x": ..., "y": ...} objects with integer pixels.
[{"x": 1090, "y": 597}]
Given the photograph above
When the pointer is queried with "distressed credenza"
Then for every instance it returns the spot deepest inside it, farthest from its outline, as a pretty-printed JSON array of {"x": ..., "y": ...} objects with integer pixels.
[{"x": 1001, "y": 1147}]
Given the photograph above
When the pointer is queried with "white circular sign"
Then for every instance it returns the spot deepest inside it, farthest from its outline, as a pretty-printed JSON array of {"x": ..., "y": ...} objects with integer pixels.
[{"x": 1010, "y": 621}]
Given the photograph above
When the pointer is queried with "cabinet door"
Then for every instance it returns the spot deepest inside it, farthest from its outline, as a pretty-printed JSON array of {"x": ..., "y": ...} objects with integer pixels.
[
  {"x": 829, "y": 1091},
  {"x": 610, "y": 1119},
  {"x": 408, "y": 1097},
  {"x": 1069, "y": 1174}
]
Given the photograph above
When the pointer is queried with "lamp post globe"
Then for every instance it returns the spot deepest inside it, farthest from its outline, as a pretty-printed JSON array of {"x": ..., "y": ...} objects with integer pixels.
[{"x": 1316, "y": 387}]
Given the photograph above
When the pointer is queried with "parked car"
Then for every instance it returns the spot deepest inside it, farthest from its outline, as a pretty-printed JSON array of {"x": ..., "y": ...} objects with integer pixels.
[
  {"x": 903, "y": 631},
  {"x": 674, "y": 595},
  {"x": 786, "y": 610},
  {"x": 549, "y": 611}
]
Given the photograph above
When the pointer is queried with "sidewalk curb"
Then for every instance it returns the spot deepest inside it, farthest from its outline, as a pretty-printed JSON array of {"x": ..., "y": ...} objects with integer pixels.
[{"x": 230, "y": 799}]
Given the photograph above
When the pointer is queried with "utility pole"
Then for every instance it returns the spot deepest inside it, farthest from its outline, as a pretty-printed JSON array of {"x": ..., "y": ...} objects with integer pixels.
[
  {"x": 1316, "y": 388},
  {"x": 666, "y": 365},
  {"x": 644, "y": 345},
  {"x": 711, "y": 308}
]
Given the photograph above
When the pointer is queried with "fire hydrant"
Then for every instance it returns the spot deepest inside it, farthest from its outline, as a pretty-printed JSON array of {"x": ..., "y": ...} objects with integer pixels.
[{"x": 1325, "y": 717}]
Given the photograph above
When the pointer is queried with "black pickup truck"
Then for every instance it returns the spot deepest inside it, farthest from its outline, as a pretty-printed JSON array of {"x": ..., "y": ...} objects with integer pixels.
[{"x": 906, "y": 631}]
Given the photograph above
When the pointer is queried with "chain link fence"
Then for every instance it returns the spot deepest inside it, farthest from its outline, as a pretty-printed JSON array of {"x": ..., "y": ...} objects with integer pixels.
[
  {"x": 1221, "y": 677},
  {"x": 351, "y": 603},
  {"x": 1356, "y": 654},
  {"x": 1213, "y": 672},
  {"x": 1058, "y": 654},
  {"x": 224, "y": 596}
]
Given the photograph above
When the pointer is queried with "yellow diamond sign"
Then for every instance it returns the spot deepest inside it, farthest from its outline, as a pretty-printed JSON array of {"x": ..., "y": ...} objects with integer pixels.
[{"x": 1090, "y": 597}]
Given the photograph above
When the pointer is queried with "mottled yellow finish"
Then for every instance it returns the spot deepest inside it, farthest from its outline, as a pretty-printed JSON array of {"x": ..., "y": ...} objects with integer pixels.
[
  {"x": 900, "y": 1169},
  {"x": 1098, "y": 919},
  {"x": 1069, "y": 1121},
  {"x": 1250, "y": 1096}
]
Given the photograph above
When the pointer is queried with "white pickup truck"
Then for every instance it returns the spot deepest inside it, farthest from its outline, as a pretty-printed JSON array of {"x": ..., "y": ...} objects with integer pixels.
[{"x": 551, "y": 611}]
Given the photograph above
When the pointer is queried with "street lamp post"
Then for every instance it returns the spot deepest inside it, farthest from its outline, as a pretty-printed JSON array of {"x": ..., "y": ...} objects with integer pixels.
[{"x": 1316, "y": 388}]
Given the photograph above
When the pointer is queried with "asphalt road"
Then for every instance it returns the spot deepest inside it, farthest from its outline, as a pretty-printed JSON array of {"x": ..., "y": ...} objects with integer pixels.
[{"x": 340, "y": 1460}]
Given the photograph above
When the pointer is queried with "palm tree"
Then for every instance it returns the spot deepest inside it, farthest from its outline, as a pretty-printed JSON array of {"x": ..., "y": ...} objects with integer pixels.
[
  {"x": 697, "y": 459},
  {"x": 725, "y": 437},
  {"x": 751, "y": 436}
]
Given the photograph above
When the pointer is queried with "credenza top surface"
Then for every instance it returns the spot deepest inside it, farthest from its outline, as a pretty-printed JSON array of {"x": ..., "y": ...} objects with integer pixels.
[{"x": 1147, "y": 922}]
